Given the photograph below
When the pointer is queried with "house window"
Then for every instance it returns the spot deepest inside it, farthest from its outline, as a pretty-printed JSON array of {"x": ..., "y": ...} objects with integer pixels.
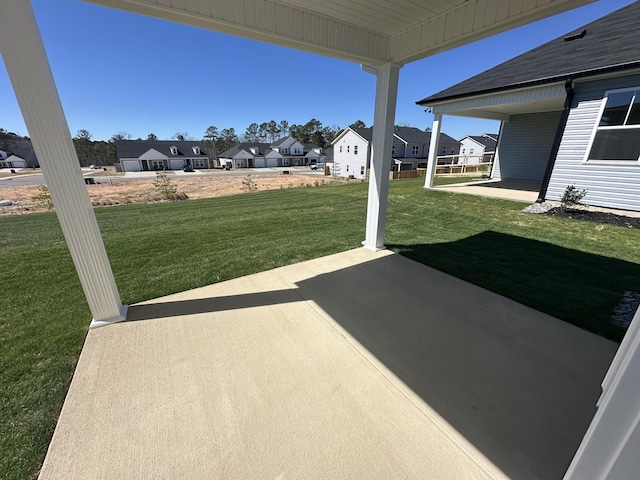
[
  {"x": 347, "y": 148},
  {"x": 196, "y": 150},
  {"x": 285, "y": 150},
  {"x": 464, "y": 150},
  {"x": 347, "y": 168},
  {"x": 355, "y": 149},
  {"x": 340, "y": 148},
  {"x": 617, "y": 136},
  {"x": 199, "y": 163},
  {"x": 393, "y": 149},
  {"x": 361, "y": 170},
  {"x": 415, "y": 149},
  {"x": 157, "y": 164},
  {"x": 471, "y": 150},
  {"x": 174, "y": 150}
]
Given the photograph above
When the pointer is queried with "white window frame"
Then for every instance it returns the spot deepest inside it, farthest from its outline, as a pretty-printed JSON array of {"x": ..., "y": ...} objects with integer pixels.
[
  {"x": 415, "y": 149},
  {"x": 597, "y": 127},
  {"x": 174, "y": 150},
  {"x": 199, "y": 163}
]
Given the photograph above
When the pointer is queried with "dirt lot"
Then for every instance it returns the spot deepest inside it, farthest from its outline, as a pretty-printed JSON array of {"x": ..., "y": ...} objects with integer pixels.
[{"x": 111, "y": 190}]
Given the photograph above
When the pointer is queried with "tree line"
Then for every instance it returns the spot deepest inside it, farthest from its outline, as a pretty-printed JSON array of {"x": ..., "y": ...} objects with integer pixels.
[{"x": 216, "y": 141}]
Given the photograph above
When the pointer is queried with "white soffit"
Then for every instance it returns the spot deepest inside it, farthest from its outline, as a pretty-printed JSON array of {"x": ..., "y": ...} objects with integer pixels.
[
  {"x": 501, "y": 105},
  {"x": 371, "y": 32}
]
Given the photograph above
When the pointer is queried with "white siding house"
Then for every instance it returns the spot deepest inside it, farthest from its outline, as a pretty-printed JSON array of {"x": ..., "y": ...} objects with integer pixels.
[
  {"x": 410, "y": 148},
  {"x": 351, "y": 153}
]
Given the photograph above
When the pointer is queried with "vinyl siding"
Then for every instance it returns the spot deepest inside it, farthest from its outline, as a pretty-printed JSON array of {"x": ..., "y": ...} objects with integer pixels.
[
  {"x": 525, "y": 146},
  {"x": 607, "y": 184}
]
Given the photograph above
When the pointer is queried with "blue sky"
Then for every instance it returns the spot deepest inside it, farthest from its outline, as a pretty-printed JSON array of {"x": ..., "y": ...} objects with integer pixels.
[{"x": 117, "y": 71}]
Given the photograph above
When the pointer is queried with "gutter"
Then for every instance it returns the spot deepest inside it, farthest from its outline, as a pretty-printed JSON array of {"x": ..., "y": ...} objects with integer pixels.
[
  {"x": 568, "y": 87},
  {"x": 431, "y": 101}
]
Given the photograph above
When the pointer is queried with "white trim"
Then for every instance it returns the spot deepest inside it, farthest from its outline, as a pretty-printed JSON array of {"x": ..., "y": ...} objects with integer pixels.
[
  {"x": 27, "y": 66},
  {"x": 114, "y": 319},
  {"x": 383, "y": 118},
  {"x": 432, "y": 159},
  {"x": 597, "y": 127},
  {"x": 553, "y": 90}
]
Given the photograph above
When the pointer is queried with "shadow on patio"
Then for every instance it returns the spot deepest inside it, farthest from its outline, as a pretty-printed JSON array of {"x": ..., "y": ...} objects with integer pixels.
[{"x": 360, "y": 365}]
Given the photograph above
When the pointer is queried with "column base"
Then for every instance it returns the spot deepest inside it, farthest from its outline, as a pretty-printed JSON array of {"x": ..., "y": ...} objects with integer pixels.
[
  {"x": 373, "y": 249},
  {"x": 115, "y": 319}
]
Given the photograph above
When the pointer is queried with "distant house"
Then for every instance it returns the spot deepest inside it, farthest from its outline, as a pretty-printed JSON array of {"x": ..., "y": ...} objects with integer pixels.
[
  {"x": 410, "y": 149},
  {"x": 18, "y": 158},
  {"x": 473, "y": 147},
  {"x": 286, "y": 152},
  {"x": 570, "y": 112},
  {"x": 142, "y": 155}
]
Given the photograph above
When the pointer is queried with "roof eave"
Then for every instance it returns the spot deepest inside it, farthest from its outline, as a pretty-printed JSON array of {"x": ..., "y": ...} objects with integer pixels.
[{"x": 430, "y": 101}]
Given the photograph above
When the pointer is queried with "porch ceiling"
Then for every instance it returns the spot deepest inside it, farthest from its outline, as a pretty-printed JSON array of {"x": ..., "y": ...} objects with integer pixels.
[
  {"x": 370, "y": 32},
  {"x": 502, "y": 104}
]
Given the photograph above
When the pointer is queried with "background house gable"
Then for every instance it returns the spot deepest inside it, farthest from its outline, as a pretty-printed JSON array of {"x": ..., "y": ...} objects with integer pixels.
[{"x": 153, "y": 154}]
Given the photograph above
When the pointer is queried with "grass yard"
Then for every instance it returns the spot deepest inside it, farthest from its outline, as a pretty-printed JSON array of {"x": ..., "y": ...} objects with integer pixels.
[{"x": 574, "y": 270}]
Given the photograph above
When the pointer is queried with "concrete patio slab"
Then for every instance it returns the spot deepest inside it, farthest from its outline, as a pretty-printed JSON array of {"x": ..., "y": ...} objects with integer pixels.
[
  {"x": 357, "y": 365},
  {"x": 506, "y": 189}
]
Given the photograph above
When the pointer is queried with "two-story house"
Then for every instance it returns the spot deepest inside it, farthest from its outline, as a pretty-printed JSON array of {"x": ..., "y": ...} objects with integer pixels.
[
  {"x": 286, "y": 152},
  {"x": 409, "y": 151},
  {"x": 473, "y": 148}
]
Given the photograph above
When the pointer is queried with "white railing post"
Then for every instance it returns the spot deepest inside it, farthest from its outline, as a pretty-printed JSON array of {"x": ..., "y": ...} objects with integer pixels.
[
  {"x": 28, "y": 68},
  {"x": 433, "y": 151}
]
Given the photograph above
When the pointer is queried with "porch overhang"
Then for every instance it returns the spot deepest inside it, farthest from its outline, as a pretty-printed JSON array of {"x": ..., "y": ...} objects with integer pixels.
[
  {"x": 501, "y": 105},
  {"x": 373, "y": 33},
  {"x": 383, "y": 34}
]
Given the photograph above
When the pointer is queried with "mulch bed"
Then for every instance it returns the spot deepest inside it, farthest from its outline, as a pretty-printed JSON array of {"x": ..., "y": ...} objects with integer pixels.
[{"x": 598, "y": 217}]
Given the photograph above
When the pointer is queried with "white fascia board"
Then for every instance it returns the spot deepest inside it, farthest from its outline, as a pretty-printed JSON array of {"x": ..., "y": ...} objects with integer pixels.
[
  {"x": 469, "y": 21},
  {"x": 473, "y": 140},
  {"x": 400, "y": 138},
  {"x": 342, "y": 134},
  {"x": 481, "y": 102}
]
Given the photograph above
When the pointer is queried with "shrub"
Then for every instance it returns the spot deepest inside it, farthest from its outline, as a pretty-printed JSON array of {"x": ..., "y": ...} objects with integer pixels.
[
  {"x": 166, "y": 188},
  {"x": 43, "y": 198},
  {"x": 571, "y": 197},
  {"x": 248, "y": 185}
]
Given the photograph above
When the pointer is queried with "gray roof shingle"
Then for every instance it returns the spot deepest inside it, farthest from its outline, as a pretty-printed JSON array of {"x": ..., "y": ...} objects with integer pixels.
[
  {"x": 135, "y": 148},
  {"x": 263, "y": 148},
  {"x": 408, "y": 134},
  {"x": 610, "y": 43}
]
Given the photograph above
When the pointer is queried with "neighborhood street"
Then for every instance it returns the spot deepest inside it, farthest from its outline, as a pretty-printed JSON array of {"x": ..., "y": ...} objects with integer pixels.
[{"x": 24, "y": 177}]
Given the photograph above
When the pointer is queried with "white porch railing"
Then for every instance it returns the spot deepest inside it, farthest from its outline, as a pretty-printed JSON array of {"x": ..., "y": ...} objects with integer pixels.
[{"x": 465, "y": 164}]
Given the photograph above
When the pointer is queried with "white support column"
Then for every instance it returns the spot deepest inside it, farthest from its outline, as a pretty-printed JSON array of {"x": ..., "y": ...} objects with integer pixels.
[
  {"x": 28, "y": 68},
  {"x": 609, "y": 449},
  {"x": 383, "y": 118},
  {"x": 433, "y": 150}
]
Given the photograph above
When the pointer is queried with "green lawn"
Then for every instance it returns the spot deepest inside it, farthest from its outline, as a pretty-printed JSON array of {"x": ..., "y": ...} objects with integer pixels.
[{"x": 576, "y": 271}]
